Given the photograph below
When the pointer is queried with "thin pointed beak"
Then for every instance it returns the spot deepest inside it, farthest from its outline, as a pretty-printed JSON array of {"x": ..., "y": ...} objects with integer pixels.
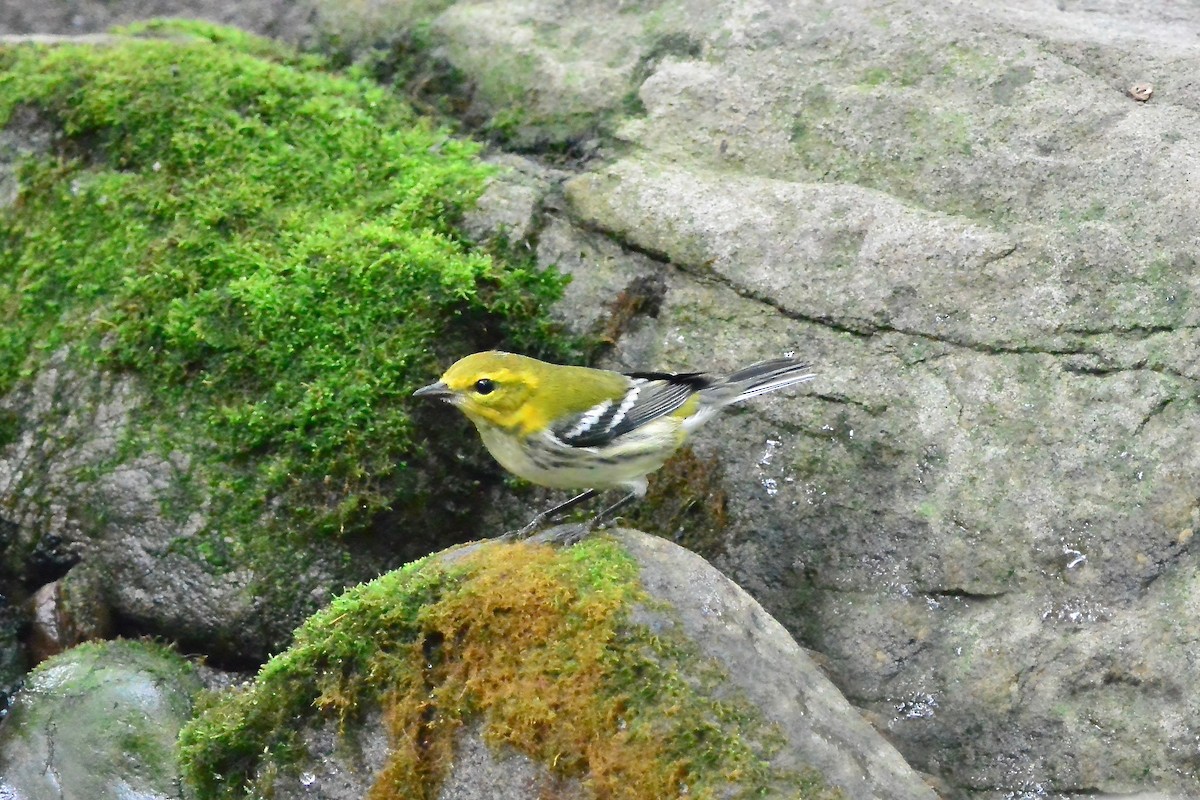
[{"x": 438, "y": 389}]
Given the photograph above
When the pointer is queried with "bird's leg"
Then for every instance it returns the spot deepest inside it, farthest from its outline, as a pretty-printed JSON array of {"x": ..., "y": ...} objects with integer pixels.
[
  {"x": 568, "y": 535},
  {"x": 550, "y": 515},
  {"x": 611, "y": 511}
]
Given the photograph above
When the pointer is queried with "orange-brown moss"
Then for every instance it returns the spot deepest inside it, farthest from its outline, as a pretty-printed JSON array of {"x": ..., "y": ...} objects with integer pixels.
[
  {"x": 527, "y": 648},
  {"x": 686, "y": 502},
  {"x": 533, "y": 643}
]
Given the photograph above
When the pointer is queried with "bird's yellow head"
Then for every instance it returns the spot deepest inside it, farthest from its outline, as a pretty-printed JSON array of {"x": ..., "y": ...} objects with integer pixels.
[{"x": 491, "y": 387}]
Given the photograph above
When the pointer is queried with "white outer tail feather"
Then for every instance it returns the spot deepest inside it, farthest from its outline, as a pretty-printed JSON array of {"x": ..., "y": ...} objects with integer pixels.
[
  {"x": 758, "y": 379},
  {"x": 770, "y": 386},
  {"x": 718, "y": 396}
]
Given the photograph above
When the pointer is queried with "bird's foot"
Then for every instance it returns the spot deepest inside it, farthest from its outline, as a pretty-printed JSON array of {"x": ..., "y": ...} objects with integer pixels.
[
  {"x": 525, "y": 531},
  {"x": 565, "y": 535},
  {"x": 554, "y": 514}
]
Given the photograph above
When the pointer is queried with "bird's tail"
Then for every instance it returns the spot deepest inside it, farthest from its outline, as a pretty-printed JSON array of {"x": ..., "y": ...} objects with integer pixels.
[{"x": 756, "y": 379}]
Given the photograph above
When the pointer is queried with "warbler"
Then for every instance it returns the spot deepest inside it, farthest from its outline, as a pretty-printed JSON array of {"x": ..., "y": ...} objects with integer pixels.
[{"x": 579, "y": 428}]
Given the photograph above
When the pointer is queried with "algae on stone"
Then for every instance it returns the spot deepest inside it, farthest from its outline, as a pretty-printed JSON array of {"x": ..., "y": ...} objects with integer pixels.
[{"x": 99, "y": 720}]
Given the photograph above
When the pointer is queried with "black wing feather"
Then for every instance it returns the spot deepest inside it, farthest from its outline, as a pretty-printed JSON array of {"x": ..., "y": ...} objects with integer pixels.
[
  {"x": 659, "y": 394},
  {"x": 697, "y": 380}
]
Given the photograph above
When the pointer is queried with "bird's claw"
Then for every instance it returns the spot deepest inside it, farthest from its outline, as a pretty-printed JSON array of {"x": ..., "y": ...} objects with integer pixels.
[
  {"x": 565, "y": 535},
  {"x": 525, "y": 531},
  {"x": 558, "y": 536}
]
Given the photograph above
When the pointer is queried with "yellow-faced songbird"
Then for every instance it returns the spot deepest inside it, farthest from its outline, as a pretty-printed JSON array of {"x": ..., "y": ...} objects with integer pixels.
[{"x": 592, "y": 429}]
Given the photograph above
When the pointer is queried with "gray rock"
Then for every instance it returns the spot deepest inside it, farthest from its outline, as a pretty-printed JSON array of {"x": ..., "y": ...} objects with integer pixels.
[
  {"x": 27, "y": 133},
  {"x": 67, "y": 612},
  {"x": 118, "y": 525},
  {"x": 289, "y": 20},
  {"x": 511, "y": 206},
  {"x": 693, "y": 671},
  {"x": 761, "y": 658},
  {"x": 127, "y": 522},
  {"x": 98, "y": 721},
  {"x": 339, "y": 764},
  {"x": 482, "y": 773},
  {"x": 337, "y": 770},
  {"x": 988, "y": 248}
]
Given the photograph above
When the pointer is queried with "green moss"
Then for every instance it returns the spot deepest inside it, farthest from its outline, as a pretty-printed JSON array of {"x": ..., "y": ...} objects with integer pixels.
[
  {"x": 270, "y": 248},
  {"x": 230, "y": 38},
  {"x": 534, "y": 642},
  {"x": 10, "y": 427}
]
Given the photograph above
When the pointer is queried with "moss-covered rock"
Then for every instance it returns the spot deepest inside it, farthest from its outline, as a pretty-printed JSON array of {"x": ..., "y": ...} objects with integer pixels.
[
  {"x": 225, "y": 271},
  {"x": 624, "y": 668},
  {"x": 269, "y": 245},
  {"x": 98, "y": 721}
]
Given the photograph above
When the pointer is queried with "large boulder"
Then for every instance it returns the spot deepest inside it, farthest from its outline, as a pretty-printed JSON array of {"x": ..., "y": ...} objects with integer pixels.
[
  {"x": 624, "y": 667},
  {"x": 225, "y": 271},
  {"x": 983, "y": 233}
]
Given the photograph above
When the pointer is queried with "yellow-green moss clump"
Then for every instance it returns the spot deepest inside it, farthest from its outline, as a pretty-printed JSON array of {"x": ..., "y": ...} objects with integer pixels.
[
  {"x": 270, "y": 247},
  {"x": 533, "y": 642}
]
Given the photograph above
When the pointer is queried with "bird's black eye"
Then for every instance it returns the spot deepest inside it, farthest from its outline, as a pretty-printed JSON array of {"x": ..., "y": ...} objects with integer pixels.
[{"x": 484, "y": 386}]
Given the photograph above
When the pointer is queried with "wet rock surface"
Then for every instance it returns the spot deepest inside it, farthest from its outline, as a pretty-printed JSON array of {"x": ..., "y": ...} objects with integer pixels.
[{"x": 98, "y": 721}]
